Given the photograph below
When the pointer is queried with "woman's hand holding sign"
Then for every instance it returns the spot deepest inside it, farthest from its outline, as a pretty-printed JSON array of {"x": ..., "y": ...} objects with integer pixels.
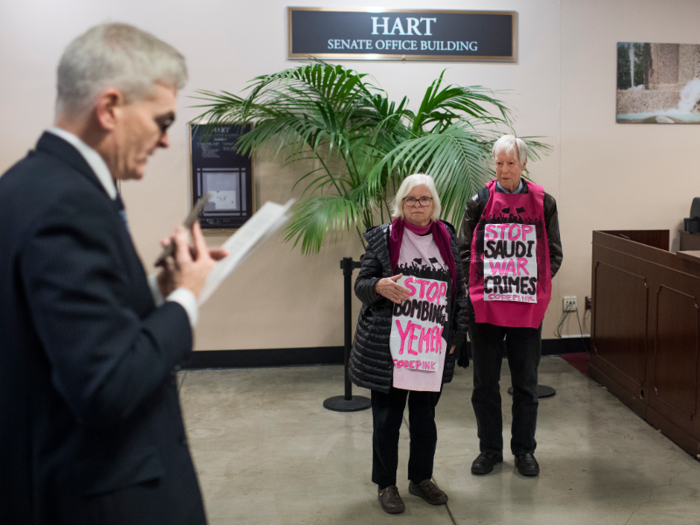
[{"x": 388, "y": 288}]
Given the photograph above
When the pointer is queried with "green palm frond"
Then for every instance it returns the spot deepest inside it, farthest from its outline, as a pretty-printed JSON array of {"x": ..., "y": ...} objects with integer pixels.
[
  {"x": 536, "y": 149},
  {"x": 316, "y": 217},
  {"x": 457, "y": 159},
  {"x": 440, "y": 107},
  {"x": 362, "y": 143}
]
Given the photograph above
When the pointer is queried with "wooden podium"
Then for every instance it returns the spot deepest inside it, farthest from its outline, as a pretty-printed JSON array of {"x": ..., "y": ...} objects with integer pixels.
[{"x": 645, "y": 330}]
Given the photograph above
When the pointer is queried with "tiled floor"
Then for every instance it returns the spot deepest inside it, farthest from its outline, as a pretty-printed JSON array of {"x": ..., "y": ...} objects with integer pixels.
[{"x": 267, "y": 452}]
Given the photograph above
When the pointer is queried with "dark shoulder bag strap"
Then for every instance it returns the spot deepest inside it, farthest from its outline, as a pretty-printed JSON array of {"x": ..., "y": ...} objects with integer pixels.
[{"x": 484, "y": 195}]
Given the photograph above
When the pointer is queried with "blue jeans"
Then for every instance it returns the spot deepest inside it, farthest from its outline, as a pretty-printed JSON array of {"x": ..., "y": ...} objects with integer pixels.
[{"x": 524, "y": 346}]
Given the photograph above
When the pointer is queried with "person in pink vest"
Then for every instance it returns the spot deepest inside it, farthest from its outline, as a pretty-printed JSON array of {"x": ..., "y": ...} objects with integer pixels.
[{"x": 511, "y": 249}]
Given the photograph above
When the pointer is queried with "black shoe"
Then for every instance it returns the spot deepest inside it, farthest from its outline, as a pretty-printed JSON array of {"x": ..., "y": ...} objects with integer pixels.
[
  {"x": 527, "y": 465},
  {"x": 427, "y": 490},
  {"x": 390, "y": 500},
  {"x": 485, "y": 462}
]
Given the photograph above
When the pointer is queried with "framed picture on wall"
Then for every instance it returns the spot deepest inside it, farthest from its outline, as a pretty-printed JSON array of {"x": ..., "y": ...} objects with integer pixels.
[
  {"x": 658, "y": 83},
  {"x": 217, "y": 167}
]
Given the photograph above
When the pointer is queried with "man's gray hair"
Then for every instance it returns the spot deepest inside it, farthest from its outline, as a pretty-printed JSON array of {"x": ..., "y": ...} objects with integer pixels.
[
  {"x": 511, "y": 144},
  {"x": 407, "y": 185},
  {"x": 115, "y": 55}
]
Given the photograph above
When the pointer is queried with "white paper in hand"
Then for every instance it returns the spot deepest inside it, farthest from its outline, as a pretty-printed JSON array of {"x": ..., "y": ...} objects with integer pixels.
[{"x": 249, "y": 237}]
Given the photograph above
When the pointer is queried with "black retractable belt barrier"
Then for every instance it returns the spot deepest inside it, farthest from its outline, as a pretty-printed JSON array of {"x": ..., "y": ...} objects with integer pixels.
[{"x": 348, "y": 402}]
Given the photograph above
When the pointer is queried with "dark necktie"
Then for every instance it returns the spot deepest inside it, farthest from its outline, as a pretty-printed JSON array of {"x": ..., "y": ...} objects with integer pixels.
[{"x": 120, "y": 209}]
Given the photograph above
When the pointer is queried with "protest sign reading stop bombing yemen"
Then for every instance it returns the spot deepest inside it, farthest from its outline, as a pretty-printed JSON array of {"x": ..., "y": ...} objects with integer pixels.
[
  {"x": 510, "y": 263},
  {"x": 416, "y": 339}
]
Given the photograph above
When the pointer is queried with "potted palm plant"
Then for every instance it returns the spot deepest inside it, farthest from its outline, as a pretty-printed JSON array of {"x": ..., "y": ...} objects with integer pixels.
[{"x": 363, "y": 144}]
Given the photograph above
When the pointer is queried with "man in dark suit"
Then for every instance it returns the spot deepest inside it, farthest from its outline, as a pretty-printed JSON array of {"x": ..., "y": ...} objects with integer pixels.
[{"x": 90, "y": 424}]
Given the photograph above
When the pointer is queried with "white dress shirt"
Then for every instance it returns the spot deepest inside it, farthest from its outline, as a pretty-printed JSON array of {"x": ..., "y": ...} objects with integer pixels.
[{"x": 183, "y": 296}]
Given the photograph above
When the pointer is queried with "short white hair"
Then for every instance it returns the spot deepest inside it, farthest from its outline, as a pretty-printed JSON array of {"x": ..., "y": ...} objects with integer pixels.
[
  {"x": 511, "y": 144},
  {"x": 407, "y": 186},
  {"x": 115, "y": 55}
]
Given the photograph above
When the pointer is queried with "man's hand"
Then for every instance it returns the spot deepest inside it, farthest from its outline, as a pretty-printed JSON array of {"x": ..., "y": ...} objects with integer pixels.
[
  {"x": 190, "y": 265},
  {"x": 388, "y": 288}
]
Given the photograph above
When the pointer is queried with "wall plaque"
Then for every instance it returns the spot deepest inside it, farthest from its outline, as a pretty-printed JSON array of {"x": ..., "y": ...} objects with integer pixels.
[
  {"x": 405, "y": 34},
  {"x": 218, "y": 168}
]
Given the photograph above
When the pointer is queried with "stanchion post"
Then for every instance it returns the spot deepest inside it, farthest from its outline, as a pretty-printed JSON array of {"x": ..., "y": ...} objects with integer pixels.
[
  {"x": 347, "y": 403},
  {"x": 347, "y": 278}
]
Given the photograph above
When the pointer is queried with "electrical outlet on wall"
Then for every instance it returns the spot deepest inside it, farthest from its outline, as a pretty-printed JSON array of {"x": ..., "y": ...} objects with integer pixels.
[{"x": 569, "y": 303}]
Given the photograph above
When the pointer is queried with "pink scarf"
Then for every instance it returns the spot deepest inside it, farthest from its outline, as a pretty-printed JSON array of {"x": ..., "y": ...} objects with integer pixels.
[{"x": 441, "y": 237}]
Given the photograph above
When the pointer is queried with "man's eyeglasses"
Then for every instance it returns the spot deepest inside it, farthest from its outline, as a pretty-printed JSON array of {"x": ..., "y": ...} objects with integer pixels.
[
  {"x": 164, "y": 122},
  {"x": 413, "y": 202}
]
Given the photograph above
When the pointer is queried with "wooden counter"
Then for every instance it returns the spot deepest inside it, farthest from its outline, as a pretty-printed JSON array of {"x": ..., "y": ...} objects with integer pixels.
[{"x": 645, "y": 330}]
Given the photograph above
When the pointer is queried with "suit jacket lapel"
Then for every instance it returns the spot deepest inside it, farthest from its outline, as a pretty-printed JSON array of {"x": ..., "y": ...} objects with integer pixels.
[
  {"x": 54, "y": 145},
  {"x": 57, "y": 147}
]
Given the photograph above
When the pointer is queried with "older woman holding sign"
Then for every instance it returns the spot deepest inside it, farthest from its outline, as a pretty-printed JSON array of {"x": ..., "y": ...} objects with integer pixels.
[
  {"x": 413, "y": 316},
  {"x": 511, "y": 249}
]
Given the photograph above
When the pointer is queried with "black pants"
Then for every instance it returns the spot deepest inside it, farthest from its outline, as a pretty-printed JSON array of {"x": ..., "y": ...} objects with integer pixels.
[
  {"x": 524, "y": 347},
  {"x": 387, "y": 413}
]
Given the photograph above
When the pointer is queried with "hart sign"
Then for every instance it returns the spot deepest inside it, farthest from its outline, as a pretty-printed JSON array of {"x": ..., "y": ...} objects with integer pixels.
[
  {"x": 510, "y": 263},
  {"x": 401, "y": 34}
]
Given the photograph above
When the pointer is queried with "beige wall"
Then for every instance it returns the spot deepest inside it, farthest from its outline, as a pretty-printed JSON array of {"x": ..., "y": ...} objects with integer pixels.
[
  {"x": 603, "y": 175},
  {"x": 616, "y": 176}
]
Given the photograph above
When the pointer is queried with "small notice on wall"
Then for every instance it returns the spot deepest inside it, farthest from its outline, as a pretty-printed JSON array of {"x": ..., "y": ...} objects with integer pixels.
[
  {"x": 219, "y": 169},
  {"x": 401, "y": 34}
]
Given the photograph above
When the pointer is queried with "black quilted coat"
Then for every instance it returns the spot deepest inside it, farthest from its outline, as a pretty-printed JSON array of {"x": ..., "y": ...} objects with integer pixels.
[{"x": 371, "y": 365}]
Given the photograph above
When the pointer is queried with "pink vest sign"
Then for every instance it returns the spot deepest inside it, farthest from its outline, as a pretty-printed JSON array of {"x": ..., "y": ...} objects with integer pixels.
[
  {"x": 509, "y": 276},
  {"x": 416, "y": 341}
]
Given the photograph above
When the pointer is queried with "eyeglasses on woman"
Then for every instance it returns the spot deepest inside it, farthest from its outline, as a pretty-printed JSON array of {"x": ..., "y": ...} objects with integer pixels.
[{"x": 413, "y": 202}]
